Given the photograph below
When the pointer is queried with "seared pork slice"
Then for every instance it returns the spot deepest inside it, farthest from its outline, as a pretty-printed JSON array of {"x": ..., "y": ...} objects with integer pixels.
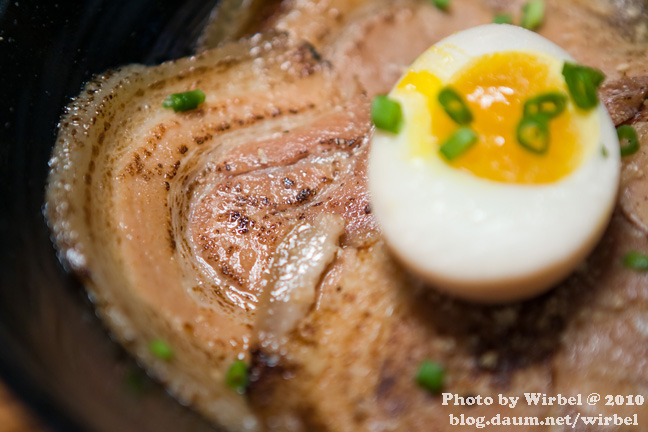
[
  {"x": 539, "y": 346},
  {"x": 171, "y": 219},
  {"x": 375, "y": 324},
  {"x": 178, "y": 224},
  {"x": 371, "y": 42},
  {"x": 350, "y": 365},
  {"x": 625, "y": 97}
]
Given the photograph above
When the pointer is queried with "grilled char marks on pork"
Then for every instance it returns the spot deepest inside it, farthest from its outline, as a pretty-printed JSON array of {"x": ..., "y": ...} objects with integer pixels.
[
  {"x": 375, "y": 323},
  {"x": 173, "y": 221},
  {"x": 171, "y": 218}
]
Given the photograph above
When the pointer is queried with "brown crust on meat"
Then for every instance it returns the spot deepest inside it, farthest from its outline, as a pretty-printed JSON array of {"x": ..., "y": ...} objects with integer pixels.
[{"x": 226, "y": 181}]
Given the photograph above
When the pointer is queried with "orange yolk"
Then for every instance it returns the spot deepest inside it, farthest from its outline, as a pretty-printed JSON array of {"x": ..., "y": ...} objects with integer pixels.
[{"x": 495, "y": 87}]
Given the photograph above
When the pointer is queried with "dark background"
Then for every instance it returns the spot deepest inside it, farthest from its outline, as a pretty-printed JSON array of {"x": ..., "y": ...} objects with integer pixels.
[{"x": 54, "y": 352}]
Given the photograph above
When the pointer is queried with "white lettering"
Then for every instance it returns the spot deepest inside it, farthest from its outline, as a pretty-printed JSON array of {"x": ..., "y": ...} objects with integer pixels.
[{"x": 532, "y": 398}]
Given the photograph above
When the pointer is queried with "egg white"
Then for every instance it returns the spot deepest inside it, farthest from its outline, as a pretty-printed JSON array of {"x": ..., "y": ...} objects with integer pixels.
[{"x": 477, "y": 238}]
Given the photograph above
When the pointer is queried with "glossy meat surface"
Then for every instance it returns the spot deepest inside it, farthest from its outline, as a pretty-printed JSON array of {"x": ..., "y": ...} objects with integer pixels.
[{"x": 173, "y": 220}]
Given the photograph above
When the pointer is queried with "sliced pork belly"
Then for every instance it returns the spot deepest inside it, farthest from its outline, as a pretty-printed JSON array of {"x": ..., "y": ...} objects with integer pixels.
[
  {"x": 178, "y": 223},
  {"x": 542, "y": 345},
  {"x": 372, "y": 41},
  {"x": 172, "y": 218}
]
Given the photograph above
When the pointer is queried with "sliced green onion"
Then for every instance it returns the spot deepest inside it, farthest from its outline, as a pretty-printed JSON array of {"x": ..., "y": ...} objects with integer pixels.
[
  {"x": 454, "y": 105},
  {"x": 184, "y": 101},
  {"x": 458, "y": 143},
  {"x": 442, "y": 4},
  {"x": 161, "y": 349},
  {"x": 431, "y": 376},
  {"x": 386, "y": 114},
  {"x": 237, "y": 376},
  {"x": 532, "y": 14},
  {"x": 628, "y": 140},
  {"x": 583, "y": 83},
  {"x": 548, "y": 105},
  {"x": 636, "y": 261},
  {"x": 533, "y": 134},
  {"x": 503, "y": 19}
]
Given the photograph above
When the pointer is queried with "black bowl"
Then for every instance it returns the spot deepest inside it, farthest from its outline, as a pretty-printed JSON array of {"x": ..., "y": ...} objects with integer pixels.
[{"x": 54, "y": 352}]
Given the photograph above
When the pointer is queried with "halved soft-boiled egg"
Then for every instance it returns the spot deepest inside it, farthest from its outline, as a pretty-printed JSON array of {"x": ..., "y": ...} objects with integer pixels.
[{"x": 499, "y": 169}]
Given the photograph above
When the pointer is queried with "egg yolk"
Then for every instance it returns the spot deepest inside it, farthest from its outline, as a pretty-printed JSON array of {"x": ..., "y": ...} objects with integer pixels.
[{"x": 495, "y": 88}]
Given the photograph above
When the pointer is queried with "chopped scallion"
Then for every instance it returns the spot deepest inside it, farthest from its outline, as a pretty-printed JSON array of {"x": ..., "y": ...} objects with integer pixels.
[
  {"x": 431, "y": 376},
  {"x": 533, "y": 134},
  {"x": 532, "y": 14},
  {"x": 583, "y": 83},
  {"x": 503, "y": 19},
  {"x": 458, "y": 143},
  {"x": 454, "y": 105},
  {"x": 628, "y": 140},
  {"x": 237, "y": 376},
  {"x": 548, "y": 105},
  {"x": 386, "y": 114},
  {"x": 636, "y": 261},
  {"x": 442, "y": 4},
  {"x": 161, "y": 349},
  {"x": 184, "y": 101}
]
